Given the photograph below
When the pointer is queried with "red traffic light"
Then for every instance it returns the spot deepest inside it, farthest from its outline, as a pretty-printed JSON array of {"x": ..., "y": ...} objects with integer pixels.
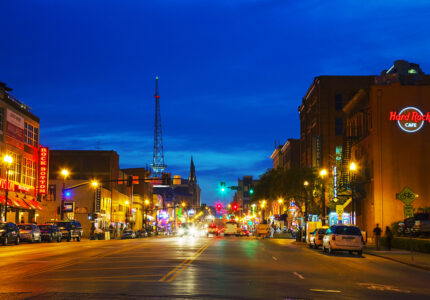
[
  {"x": 234, "y": 206},
  {"x": 219, "y": 206}
]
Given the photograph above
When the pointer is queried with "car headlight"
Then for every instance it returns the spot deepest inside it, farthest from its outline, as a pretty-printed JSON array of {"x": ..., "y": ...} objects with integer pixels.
[
  {"x": 181, "y": 231},
  {"x": 193, "y": 231}
]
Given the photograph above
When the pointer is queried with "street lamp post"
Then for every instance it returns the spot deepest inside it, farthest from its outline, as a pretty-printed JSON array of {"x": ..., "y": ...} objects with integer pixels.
[
  {"x": 305, "y": 185},
  {"x": 352, "y": 170},
  {"x": 8, "y": 160},
  {"x": 64, "y": 173},
  {"x": 323, "y": 173}
]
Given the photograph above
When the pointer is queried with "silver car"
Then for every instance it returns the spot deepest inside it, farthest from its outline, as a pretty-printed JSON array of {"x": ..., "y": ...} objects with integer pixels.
[{"x": 30, "y": 233}]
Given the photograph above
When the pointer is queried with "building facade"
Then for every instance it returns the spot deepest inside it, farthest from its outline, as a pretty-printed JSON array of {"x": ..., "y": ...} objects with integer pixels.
[
  {"x": 19, "y": 140},
  {"x": 287, "y": 156}
]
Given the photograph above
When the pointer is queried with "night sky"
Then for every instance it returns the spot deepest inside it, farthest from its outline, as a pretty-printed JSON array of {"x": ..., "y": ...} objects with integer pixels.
[{"x": 232, "y": 72}]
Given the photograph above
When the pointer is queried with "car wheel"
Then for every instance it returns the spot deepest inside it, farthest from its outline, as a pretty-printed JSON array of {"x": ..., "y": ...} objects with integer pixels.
[
  {"x": 5, "y": 241},
  {"x": 17, "y": 241}
]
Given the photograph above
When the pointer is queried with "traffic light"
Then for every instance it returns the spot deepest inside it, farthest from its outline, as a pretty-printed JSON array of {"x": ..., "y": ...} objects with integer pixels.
[
  {"x": 234, "y": 206},
  {"x": 219, "y": 207},
  {"x": 222, "y": 187},
  {"x": 129, "y": 180},
  {"x": 251, "y": 189}
]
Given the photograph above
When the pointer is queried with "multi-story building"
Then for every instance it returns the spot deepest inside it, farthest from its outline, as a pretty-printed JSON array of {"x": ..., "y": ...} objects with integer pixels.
[
  {"x": 74, "y": 197},
  {"x": 388, "y": 138},
  {"x": 287, "y": 156},
  {"x": 19, "y": 141},
  {"x": 244, "y": 192}
]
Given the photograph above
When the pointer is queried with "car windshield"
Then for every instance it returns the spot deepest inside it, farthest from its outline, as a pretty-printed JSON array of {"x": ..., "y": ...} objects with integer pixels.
[
  {"x": 25, "y": 227},
  {"x": 45, "y": 227},
  {"x": 347, "y": 230},
  {"x": 322, "y": 231}
]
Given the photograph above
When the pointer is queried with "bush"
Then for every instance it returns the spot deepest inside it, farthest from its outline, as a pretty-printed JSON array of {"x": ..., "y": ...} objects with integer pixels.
[{"x": 419, "y": 245}]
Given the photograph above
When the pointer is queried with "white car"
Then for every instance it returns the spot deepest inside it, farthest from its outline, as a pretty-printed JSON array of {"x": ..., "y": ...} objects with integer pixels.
[{"x": 343, "y": 238}]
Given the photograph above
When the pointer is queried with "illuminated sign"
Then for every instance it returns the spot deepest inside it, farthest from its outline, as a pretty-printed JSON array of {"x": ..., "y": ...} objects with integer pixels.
[
  {"x": 410, "y": 119},
  {"x": 43, "y": 170}
]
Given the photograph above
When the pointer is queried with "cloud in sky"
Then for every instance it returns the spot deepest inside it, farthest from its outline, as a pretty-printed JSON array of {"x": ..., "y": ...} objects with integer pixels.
[{"x": 232, "y": 73}]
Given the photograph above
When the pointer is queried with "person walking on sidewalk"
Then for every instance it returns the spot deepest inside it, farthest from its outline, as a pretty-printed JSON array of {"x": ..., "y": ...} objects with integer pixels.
[
  {"x": 377, "y": 235},
  {"x": 388, "y": 236}
]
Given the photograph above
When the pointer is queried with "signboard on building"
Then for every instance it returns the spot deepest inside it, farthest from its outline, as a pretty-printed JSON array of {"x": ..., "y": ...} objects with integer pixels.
[
  {"x": 68, "y": 207},
  {"x": 43, "y": 170},
  {"x": 98, "y": 199},
  {"x": 316, "y": 151},
  {"x": 410, "y": 119}
]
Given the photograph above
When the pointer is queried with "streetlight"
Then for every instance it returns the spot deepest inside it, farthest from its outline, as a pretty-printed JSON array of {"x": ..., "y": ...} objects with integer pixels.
[
  {"x": 352, "y": 170},
  {"x": 95, "y": 185},
  {"x": 8, "y": 160},
  {"x": 323, "y": 173},
  {"x": 64, "y": 173}
]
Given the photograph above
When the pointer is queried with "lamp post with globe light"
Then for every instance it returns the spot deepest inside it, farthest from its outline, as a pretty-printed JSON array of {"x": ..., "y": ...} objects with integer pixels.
[
  {"x": 323, "y": 174},
  {"x": 8, "y": 160}
]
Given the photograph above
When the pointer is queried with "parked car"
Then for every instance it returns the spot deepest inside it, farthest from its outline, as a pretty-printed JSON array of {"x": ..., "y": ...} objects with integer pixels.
[
  {"x": 422, "y": 224},
  {"x": 316, "y": 237},
  {"x": 128, "y": 234},
  {"x": 141, "y": 233},
  {"x": 343, "y": 238},
  {"x": 9, "y": 233},
  {"x": 70, "y": 230},
  {"x": 29, "y": 233},
  {"x": 50, "y": 233}
]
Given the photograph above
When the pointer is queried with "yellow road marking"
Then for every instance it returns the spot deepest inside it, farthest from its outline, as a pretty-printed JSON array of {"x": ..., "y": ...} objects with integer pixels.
[
  {"x": 325, "y": 291},
  {"x": 179, "y": 268},
  {"x": 103, "y": 277},
  {"x": 115, "y": 268},
  {"x": 186, "y": 265}
]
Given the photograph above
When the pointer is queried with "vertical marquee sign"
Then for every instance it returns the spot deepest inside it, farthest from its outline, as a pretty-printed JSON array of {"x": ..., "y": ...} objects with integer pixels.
[{"x": 43, "y": 170}]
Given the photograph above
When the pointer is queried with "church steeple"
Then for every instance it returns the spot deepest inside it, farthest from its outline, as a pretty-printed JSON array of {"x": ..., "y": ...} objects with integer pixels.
[{"x": 192, "y": 177}]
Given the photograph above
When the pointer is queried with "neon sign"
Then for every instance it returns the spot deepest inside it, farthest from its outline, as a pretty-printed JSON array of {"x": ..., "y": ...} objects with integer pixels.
[
  {"x": 43, "y": 169},
  {"x": 410, "y": 119}
]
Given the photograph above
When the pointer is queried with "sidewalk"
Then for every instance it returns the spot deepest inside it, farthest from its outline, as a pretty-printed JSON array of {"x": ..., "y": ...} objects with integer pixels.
[{"x": 418, "y": 259}]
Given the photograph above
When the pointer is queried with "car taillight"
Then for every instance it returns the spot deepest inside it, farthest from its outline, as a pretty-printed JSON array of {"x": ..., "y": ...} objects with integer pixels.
[{"x": 333, "y": 237}]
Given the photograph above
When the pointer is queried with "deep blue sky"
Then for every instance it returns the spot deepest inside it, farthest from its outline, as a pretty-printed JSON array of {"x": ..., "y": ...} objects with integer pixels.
[{"x": 232, "y": 72}]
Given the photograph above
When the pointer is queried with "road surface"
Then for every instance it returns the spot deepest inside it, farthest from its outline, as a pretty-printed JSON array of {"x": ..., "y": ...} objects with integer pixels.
[{"x": 200, "y": 268}]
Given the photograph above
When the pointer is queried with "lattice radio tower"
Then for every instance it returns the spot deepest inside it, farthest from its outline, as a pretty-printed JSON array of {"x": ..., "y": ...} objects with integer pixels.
[{"x": 157, "y": 165}]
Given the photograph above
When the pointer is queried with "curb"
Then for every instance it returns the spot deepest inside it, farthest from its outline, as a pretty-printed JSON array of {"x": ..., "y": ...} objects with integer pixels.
[{"x": 399, "y": 261}]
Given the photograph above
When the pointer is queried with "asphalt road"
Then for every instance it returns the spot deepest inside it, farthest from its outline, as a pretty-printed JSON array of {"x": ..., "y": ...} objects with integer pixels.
[{"x": 200, "y": 268}]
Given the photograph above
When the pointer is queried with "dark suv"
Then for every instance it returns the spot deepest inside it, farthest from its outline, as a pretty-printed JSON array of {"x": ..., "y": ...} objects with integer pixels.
[
  {"x": 70, "y": 230},
  {"x": 9, "y": 232}
]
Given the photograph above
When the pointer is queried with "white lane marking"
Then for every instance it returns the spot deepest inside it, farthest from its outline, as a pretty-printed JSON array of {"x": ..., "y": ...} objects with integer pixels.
[
  {"x": 274, "y": 258},
  {"x": 325, "y": 291},
  {"x": 298, "y": 275},
  {"x": 382, "y": 287}
]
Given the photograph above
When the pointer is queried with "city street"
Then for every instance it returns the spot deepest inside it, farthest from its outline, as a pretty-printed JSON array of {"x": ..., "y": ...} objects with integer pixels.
[{"x": 200, "y": 268}]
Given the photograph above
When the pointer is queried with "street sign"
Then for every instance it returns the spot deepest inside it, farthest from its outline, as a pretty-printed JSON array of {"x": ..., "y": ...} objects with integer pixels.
[
  {"x": 410, "y": 222},
  {"x": 98, "y": 199},
  {"x": 409, "y": 211},
  {"x": 407, "y": 196}
]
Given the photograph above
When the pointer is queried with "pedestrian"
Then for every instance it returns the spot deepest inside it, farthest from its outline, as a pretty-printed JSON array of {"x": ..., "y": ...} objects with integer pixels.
[
  {"x": 377, "y": 235},
  {"x": 388, "y": 237}
]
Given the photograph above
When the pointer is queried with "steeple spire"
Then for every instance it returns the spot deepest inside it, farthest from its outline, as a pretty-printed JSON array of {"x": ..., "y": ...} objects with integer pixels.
[{"x": 192, "y": 177}]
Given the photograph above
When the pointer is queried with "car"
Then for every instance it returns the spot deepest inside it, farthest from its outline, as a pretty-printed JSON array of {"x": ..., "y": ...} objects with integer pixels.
[
  {"x": 422, "y": 224},
  {"x": 9, "y": 233},
  {"x": 50, "y": 233},
  {"x": 316, "y": 237},
  {"x": 70, "y": 230},
  {"x": 141, "y": 233},
  {"x": 343, "y": 238},
  {"x": 128, "y": 234},
  {"x": 30, "y": 233},
  {"x": 212, "y": 230},
  {"x": 231, "y": 228}
]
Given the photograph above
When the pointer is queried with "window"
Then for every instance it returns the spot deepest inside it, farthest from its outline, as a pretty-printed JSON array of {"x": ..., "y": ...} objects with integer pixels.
[
  {"x": 29, "y": 172},
  {"x": 31, "y": 134},
  {"x": 338, "y": 126},
  {"x": 338, "y": 105},
  {"x": 15, "y": 167}
]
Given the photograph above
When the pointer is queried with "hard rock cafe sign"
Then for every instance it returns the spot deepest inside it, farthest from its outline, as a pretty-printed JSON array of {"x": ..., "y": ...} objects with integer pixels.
[{"x": 410, "y": 119}]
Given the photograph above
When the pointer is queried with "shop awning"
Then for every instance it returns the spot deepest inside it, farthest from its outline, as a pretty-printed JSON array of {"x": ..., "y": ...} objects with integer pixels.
[
  {"x": 14, "y": 201},
  {"x": 32, "y": 203}
]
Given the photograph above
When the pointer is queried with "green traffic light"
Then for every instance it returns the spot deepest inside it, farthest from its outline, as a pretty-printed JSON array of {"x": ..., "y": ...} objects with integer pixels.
[
  {"x": 222, "y": 189},
  {"x": 251, "y": 191}
]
